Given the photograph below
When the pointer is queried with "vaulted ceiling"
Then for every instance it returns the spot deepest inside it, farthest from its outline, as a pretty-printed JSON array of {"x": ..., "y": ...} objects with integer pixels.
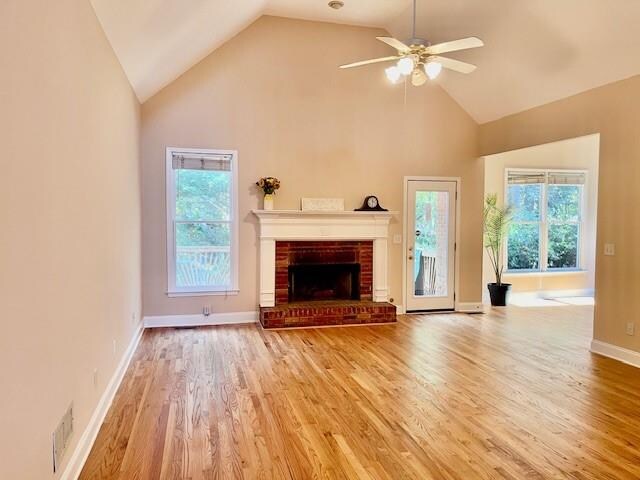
[{"x": 536, "y": 51}]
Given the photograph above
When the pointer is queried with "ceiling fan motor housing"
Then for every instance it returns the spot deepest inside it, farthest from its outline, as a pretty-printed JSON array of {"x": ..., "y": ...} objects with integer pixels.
[{"x": 419, "y": 41}]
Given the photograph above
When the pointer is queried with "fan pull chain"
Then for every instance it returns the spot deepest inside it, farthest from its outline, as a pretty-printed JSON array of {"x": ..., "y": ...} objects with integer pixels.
[{"x": 405, "y": 96}]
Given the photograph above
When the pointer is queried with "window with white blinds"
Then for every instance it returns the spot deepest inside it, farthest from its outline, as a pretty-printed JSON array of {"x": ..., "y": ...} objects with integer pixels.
[
  {"x": 547, "y": 228},
  {"x": 202, "y": 223}
]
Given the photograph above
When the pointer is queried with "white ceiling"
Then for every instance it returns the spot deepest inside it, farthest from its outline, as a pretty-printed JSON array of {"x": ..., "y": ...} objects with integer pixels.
[{"x": 536, "y": 51}]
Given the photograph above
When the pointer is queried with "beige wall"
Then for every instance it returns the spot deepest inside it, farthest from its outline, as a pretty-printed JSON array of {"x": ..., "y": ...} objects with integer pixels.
[
  {"x": 614, "y": 112},
  {"x": 572, "y": 154},
  {"x": 69, "y": 224},
  {"x": 275, "y": 94}
]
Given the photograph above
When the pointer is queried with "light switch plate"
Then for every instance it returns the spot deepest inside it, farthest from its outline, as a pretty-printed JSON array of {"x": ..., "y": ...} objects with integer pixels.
[
  {"x": 631, "y": 328},
  {"x": 609, "y": 249},
  {"x": 397, "y": 239}
]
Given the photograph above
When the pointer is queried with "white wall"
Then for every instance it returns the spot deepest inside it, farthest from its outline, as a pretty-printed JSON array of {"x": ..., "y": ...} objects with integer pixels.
[
  {"x": 69, "y": 224},
  {"x": 580, "y": 153},
  {"x": 324, "y": 132}
]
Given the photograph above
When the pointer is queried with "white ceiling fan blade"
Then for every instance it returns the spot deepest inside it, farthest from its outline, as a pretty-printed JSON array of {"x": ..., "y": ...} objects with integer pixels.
[
  {"x": 397, "y": 44},
  {"x": 455, "y": 65},
  {"x": 367, "y": 62},
  {"x": 454, "y": 46}
]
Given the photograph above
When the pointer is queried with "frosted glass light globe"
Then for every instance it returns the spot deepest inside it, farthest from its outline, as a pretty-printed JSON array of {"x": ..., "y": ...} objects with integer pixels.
[
  {"x": 393, "y": 74},
  {"x": 433, "y": 69},
  {"x": 406, "y": 65}
]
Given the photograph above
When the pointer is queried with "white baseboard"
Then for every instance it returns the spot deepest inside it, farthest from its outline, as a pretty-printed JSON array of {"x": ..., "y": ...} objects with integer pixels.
[
  {"x": 83, "y": 448},
  {"x": 200, "y": 320},
  {"x": 544, "y": 294},
  {"x": 621, "y": 354},
  {"x": 469, "y": 307},
  {"x": 583, "y": 292}
]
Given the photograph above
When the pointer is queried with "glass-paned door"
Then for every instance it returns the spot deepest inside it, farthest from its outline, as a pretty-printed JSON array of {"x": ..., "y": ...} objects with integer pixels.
[{"x": 430, "y": 254}]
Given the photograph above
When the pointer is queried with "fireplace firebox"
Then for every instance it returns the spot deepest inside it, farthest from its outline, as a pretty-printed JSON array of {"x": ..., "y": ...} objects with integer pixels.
[{"x": 325, "y": 281}]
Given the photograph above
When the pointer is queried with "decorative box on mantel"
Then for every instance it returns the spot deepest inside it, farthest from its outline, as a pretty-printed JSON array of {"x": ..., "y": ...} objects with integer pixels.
[{"x": 356, "y": 240}]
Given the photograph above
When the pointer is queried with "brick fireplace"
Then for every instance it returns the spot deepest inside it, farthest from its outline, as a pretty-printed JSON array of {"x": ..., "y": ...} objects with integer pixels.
[
  {"x": 323, "y": 268},
  {"x": 327, "y": 263}
]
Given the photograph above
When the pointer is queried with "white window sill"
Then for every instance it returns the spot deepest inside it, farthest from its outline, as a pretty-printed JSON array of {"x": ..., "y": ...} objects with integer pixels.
[
  {"x": 203, "y": 294},
  {"x": 548, "y": 273}
]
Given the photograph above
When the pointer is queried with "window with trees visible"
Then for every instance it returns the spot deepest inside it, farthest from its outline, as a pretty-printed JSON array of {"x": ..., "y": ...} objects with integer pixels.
[
  {"x": 202, "y": 226},
  {"x": 546, "y": 231}
]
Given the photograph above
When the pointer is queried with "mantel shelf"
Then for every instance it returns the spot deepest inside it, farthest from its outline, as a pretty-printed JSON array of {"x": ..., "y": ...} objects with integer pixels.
[{"x": 338, "y": 213}]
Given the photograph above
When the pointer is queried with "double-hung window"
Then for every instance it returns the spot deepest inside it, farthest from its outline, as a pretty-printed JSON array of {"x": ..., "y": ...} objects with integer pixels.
[
  {"x": 202, "y": 221},
  {"x": 548, "y": 211}
]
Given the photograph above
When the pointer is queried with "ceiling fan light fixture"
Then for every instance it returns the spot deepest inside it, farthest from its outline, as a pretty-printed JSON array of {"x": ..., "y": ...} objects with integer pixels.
[
  {"x": 393, "y": 74},
  {"x": 418, "y": 78},
  {"x": 406, "y": 65},
  {"x": 433, "y": 69}
]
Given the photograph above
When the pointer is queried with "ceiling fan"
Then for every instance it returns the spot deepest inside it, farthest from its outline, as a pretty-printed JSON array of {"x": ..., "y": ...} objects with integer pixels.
[{"x": 420, "y": 59}]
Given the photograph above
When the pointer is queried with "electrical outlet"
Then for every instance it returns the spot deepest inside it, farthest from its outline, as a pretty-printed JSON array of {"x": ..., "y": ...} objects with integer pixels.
[
  {"x": 631, "y": 328},
  {"x": 133, "y": 317},
  {"x": 206, "y": 310},
  {"x": 61, "y": 436},
  {"x": 115, "y": 348},
  {"x": 609, "y": 249},
  {"x": 95, "y": 377}
]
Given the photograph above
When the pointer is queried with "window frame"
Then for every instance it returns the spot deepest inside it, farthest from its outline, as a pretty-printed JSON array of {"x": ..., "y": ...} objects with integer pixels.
[
  {"x": 544, "y": 224},
  {"x": 170, "y": 176}
]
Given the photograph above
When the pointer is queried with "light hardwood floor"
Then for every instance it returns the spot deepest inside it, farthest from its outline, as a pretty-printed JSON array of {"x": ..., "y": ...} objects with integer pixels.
[{"x": 512, "y": 394}]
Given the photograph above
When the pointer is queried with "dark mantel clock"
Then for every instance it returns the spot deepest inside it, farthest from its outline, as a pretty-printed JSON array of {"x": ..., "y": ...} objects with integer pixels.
[{"x": 371, "y": 204}]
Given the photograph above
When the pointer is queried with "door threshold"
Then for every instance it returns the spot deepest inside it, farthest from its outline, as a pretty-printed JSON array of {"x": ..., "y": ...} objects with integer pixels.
[{"x": 432, "y": 310}]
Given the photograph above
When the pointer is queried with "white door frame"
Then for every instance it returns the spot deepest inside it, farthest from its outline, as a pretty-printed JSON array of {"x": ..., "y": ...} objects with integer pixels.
[{"x": 405, "y": 218}]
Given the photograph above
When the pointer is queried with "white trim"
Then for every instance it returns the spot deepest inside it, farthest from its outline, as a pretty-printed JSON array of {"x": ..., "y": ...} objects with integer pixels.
[
  {"x": 170, "y": 197},
  {"x": 550, "y": 294},
  {"x": 202, "y": 294},
  {"x": 538, "y": 273},
  {"x": 579, "y": 292},
  {"x": 295, "y": 225},
  {"x": 516, "y": 297},
  {"x": 231, "y": 318},
  {"x": 624, "y": 355},
  {"x": 405, "y": 190},
  {"x": 83, "y": 448},
  {"x": 469, "y": 307},
  {"x": 543, "y": 223},
  {"x": 289, "y": 214},
  {"x": 400, "y": 310}
]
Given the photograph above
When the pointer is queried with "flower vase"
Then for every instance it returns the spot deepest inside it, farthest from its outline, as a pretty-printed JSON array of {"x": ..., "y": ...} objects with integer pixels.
[{"x": 268, "y": 201}]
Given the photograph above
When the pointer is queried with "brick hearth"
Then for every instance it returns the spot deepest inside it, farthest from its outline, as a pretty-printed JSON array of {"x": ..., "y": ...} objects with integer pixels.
[
  {"x": 335, "y": 312},
  {"x": 330, "y": 312}
]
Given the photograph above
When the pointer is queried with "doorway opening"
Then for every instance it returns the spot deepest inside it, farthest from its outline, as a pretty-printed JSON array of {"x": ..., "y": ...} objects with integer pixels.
[{"x": 550, "y": 247}]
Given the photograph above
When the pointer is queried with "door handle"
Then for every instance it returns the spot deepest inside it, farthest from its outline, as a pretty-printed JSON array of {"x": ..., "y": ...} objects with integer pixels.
[{"x": 410, "y": 257}]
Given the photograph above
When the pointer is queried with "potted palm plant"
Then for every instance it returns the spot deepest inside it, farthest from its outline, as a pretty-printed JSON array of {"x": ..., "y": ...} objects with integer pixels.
[{"x": 496, "y": 220}]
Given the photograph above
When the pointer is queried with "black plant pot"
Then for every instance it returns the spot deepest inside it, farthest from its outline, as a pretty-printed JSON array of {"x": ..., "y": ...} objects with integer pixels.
[{"x": 499, "y": 293}]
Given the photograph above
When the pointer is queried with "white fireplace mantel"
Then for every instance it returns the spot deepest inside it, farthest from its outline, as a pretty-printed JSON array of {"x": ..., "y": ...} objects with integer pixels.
[{"x": 340, "y": 225}]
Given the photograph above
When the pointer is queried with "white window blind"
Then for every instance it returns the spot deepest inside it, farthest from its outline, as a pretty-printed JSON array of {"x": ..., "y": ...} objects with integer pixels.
[
  {"x": 566, "y": 178},
  {"x": 201, "y": 162},
  {"x": 525, "y": 178}
]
